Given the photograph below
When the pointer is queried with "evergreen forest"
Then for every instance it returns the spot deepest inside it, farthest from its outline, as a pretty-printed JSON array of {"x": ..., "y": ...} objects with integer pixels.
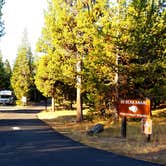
[{"x": 94, "y": 53}]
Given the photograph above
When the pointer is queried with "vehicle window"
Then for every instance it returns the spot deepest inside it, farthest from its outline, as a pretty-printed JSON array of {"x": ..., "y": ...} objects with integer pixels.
[{"x": 5, "y": 96}]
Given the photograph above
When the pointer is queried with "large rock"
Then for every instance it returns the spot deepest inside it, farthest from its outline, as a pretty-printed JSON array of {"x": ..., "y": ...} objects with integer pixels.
[{"x": 95, "y": 129}]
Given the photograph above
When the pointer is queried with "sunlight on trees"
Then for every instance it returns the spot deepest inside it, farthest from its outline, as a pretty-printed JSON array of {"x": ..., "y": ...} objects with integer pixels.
[
  {"x": 94, "y": 33},
  {"x": 22, "y": 76}
]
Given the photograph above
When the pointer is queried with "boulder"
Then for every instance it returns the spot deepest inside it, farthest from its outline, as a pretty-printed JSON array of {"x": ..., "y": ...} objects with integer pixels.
[{"x": 95, "y": 129}]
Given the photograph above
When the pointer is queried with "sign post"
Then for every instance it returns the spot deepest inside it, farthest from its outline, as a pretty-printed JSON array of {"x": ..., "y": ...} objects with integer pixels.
[
  {"x": 124, "y": 127},
  {"x": 135, "y": 109}
]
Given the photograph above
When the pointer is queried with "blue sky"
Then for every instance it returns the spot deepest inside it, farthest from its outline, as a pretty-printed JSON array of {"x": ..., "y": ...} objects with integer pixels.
[{"x": 18, "y": 15}]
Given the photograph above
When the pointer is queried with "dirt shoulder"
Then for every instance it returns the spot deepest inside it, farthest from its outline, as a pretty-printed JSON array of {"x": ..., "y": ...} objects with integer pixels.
[{"x": 135, "y": 145}]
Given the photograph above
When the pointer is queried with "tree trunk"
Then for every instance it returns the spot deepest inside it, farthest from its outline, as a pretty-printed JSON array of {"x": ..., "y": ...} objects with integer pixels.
[
  {"x": 79, "y": 101},
  {"x": 79, "y": 105}
]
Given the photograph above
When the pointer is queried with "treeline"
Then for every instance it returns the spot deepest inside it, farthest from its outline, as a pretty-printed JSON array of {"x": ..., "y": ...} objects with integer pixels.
[
  {"x": 5, "y": 74},
  {"x": 99, "y": 51},
  {"x": 5, "y": 68},
  {"x": 88, "y": 44}
]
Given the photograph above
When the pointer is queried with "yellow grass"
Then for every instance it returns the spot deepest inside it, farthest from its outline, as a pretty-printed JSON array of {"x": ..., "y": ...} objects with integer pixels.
[
  {"x": 135, "y": 145},
  {"x": 56, "y": 114}
]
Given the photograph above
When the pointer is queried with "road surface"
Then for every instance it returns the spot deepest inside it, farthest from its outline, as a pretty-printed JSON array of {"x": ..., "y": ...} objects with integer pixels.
[{"x": 26, "y": 141}]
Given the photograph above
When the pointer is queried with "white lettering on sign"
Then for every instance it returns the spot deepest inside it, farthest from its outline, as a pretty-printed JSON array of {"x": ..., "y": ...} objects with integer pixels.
[
  {"x": 139, "y": 102},
  {"x": 134, "y": 108},
  {"x": 133, "y": 115}
]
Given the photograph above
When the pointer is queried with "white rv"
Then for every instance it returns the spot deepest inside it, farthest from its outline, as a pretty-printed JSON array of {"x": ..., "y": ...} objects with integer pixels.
[{"x": 6, "y": 97}]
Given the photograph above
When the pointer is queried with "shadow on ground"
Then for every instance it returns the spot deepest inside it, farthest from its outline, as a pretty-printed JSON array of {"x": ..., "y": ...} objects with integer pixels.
[{"x": 29, "y": 142}]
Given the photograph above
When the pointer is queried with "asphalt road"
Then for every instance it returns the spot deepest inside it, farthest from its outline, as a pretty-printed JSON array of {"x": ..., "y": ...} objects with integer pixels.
[{"x": 26, "y": 141}]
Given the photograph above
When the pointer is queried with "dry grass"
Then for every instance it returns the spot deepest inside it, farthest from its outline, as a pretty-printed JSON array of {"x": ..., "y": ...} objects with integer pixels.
[{"x": 135, "y": 145}]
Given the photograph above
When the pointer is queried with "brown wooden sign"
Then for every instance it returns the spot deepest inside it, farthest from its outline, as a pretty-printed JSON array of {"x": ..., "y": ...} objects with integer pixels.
[{"x": 134, "y": 108}]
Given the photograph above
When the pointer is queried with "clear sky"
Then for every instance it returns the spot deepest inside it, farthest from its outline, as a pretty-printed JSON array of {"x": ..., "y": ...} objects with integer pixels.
[{"x": 18, "y": 15}]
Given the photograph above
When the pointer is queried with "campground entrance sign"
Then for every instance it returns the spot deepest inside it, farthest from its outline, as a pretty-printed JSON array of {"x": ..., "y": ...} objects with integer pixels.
[{"x": 134, "y": 108}]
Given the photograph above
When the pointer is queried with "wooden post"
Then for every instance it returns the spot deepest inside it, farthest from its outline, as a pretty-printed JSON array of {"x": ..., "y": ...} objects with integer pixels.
[
  {"x": 124, "y": 127},
  {"x": 148, "y": 137}
]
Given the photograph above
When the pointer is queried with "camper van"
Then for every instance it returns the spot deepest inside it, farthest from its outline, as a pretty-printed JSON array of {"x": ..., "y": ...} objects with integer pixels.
[{"x": 6, "y": 97}]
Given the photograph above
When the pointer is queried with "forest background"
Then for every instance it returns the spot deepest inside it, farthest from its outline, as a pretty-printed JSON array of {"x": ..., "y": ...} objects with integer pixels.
[{"x": 93, "y": 53}]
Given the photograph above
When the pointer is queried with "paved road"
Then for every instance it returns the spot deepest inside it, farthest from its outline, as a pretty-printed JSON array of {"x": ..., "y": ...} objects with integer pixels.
[{"x": 26, "y": 141}]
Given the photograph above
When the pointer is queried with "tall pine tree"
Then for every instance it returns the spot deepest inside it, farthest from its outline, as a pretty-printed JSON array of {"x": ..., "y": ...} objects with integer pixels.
[
  {"x": 21, "y": 79},
  {"x": 142, "y": 50}
]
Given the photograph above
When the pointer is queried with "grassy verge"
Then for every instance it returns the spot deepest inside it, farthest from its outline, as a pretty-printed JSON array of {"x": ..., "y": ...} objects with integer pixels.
[{"x": 135, "y": 145}]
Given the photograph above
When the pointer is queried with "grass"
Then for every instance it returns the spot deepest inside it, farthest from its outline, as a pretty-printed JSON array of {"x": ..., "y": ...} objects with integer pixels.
[{"x": 135, "y": 145}]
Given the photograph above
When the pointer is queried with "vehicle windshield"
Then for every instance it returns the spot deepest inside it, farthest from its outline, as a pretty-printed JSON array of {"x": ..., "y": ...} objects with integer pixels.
[{"x": 5, "y": 96}]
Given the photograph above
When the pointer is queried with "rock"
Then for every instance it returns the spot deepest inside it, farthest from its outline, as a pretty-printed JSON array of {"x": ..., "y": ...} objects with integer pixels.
[{"x": 95, "y": 129}]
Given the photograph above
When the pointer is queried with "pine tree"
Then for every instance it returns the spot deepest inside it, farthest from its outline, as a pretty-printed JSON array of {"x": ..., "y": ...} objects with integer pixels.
[
  {"x": 143, "y": 43},
  {"x": 21, "y": 79},
  {"x": 74, "y": 31},
  {"x": 2, "y": 71},
  {"x": 99, "y": 62},
  {"x": 60, "y": 68},
  {"x": 7, "y": 73},
  {"x": 48, "y": 78}
]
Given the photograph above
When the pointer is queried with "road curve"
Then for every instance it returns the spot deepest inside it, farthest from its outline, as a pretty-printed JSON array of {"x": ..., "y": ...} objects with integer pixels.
[{"x": 26, "y": 141}]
